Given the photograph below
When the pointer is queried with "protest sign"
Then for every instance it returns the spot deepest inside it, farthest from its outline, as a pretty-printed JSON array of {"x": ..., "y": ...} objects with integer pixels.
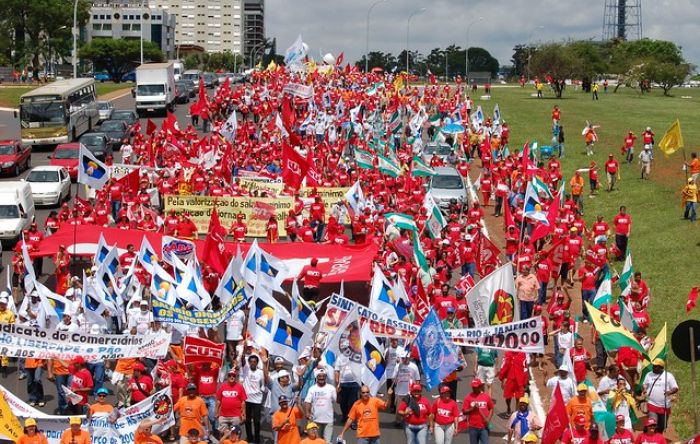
[
  {"x": 199, "y": 350},
  {"x": 329, "y": 195},
  {"x": 168, "y": 314},
  {"x": 33, "y": 342},
  {"x": 183, "y": 249},
  {"x": 339, "y": 307},
  {"x": 525, "y": 336},
  {"x": 256, "y": 211},
  {"x": 299, "y": 90}
]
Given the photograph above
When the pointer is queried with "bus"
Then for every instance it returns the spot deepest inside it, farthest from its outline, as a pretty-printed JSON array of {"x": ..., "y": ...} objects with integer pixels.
[{"x": 59, "y": 112}]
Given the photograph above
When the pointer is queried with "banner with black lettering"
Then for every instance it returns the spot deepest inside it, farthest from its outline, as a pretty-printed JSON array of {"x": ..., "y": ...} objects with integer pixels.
[
  {"x": 339, "y": 307},
  {"x": 32, "y": 342},
  {"x": 165, "y": 313},
  {"x": 525, "y": 336}
]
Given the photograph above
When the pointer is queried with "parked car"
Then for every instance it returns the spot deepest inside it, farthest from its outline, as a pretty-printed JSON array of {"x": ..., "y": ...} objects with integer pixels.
[
  {"x": 102, "y": 77},
  {"x": 105, "y": 109},
  {"x": 182, "y": 92},
  {"x": 14, "y": 157},
  {"x": 224, "y": 75},
  {"x": 192, "y": 76},
  {"x": 50, "y": 185},
  {"x": 66, "y": 155},
  {"x": 116, "y": 131},
  {"x": 446, "y": 185},
  {"x": 98, "y": 144},
  {"x": 210, "y": 79},
  {"x": 127, "y": 115},
  {"x": 129, "y": 76},
  {"x": 16, "y": 210}
]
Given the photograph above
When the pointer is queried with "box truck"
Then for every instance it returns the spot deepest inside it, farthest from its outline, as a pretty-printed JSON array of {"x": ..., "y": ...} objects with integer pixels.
[{"x": 155, "y": 88}]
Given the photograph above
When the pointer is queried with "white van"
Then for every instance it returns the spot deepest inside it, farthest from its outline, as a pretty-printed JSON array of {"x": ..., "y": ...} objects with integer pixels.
[{"x": 16, "y": 210}]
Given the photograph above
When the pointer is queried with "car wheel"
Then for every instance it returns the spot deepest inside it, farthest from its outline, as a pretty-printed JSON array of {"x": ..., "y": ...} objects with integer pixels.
[{"x": 28, "y": 164}]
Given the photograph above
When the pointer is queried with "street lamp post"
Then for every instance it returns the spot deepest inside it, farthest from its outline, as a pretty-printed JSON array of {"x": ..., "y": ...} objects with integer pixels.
[
  {"x": 466, "y": 52},
  {"x": 408, "y": 31},
  {"x": 141, "y": 27},
  {"x": 369, "y": 11},
  {"x": 75, "y": 39},
  {"x": 529, "y": 49}
]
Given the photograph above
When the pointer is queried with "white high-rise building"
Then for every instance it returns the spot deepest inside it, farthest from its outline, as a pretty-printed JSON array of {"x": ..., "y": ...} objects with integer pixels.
[{"x": 213, "y": 25}]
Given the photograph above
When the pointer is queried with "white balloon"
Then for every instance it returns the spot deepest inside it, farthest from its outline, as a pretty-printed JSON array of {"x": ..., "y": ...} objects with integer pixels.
[{"x": 329, "y": 59}]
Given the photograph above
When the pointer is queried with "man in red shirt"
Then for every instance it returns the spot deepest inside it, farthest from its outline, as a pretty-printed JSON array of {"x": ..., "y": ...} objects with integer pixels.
[
  {"x": 230, "y": 402},
  {"x": 186, "y": 229},
  {"x": 612, "y": 171},
  {"x": 317, "y": 211},
  {"x": 311, "y": 276},
  {"x": 623, "y": 227},
  {"x": 126, "y": 260},
  {"x": 600, "y": 227},
  {"x": 478, "y": 406},
  {"x": 621, "y": 435},
  {"x": 544, "y": 273},
  {"x": 239, "y": 229},
  {"x": 443, "y": 301},
  {"x": 140, "y": 384},
  {"x": 577, "y": 435},
  {"x": 115, "y": 196},
  {"x": 82, "y": 384},
  {"x": 206, "y": 379}
]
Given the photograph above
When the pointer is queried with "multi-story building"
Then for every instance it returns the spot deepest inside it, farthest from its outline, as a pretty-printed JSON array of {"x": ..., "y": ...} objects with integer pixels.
[
  {"x": 213, "y": 25},
  {"x": 122, "y": 19},
  {"x": 254, "y": 22}
]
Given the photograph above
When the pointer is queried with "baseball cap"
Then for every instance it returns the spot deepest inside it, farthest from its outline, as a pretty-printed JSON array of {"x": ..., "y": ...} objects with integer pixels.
[
  {"x": 138, "y": 366},
  {"x": 279, "y": 360},
  {"x": 29, "y": 422},
  {"x": 445, "y": 389},
  {"x": 524, "y": 399},
  {"x": 530, "y": 437},
  {"x": 75, "y": 420},
  {"x": 79, "y": 360},
  {"x": 650, "y": 422},
  {"x": 619, "y": 418},
  {"x": 235, "y": 429},
  {"x": 415, "y": 387},
  {"x": 282, "y": 374},
  {"x": 659, "y": 362},
  {"x": 282, "y": 399},
  {"x": 191, "y": 386},
  {"x": 581, "y": 387},
  {"x": 311, "y": 425},
  {"x": 476, "y": 382}
]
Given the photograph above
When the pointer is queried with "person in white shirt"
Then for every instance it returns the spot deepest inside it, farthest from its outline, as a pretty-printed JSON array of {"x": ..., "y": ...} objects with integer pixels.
[
  {"x": 565, "y": 383},
  {"x": 392, "y": 361},
  {"x": 126, "y": 151},
  {"x": 234, "y": 332},
  {"x": 254, "y": 382},
  {"x": 141, "y": 319},
  {"x": 659, "y": 385},
  {"x": 405, "y": 374},
  {"x": 318, "y": 405},
  {"x": 67, "y": 324},
  {"x": 347, "y": 385},
  {"x": 609, "y": 382}
]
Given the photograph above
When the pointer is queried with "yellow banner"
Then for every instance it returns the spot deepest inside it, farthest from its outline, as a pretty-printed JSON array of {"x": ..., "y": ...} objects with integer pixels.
[
  {"x": 329, "y": 195},
  {"x": 256, "y": 211},
  {"x": 10, "y": 426}
]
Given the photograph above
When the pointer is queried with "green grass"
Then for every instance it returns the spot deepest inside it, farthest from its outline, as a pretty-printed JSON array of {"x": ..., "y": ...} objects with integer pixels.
[
  {"x": 665, "y": 248},
  {"x": 10, "y": 94}
]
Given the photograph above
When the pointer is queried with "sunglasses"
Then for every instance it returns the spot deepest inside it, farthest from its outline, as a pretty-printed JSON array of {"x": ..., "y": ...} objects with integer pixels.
[
  {"x": 364, "y": 393},
  {"x": 101, "y": 395}
]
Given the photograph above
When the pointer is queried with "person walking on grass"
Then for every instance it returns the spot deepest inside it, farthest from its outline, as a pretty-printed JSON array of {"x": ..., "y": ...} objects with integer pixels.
[
  {"x": 645, "y": 160},
  {"x": 689, "y": 194},
  {"x": 612, "y": 171}
]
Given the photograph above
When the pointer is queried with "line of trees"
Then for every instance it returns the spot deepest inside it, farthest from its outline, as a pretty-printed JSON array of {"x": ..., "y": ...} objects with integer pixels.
[{"x": 634, "y": 64}]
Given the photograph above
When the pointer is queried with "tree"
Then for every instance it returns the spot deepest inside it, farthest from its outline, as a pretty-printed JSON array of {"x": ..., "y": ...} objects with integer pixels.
[
  {"x": 555, "y": 61},
  {"x": 667, "y": 75},
  {"x": 481, "y": 60},
  {"x": 519, "y": 60},
  {"x": 117, "y": 57},
  {"x": 378, "y": 59}
]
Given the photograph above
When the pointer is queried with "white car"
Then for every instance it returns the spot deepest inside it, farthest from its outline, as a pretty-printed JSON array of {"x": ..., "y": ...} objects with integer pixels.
[{"x": 50, "y": 184}]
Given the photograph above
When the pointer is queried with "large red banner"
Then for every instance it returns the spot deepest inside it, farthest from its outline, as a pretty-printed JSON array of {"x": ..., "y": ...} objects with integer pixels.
[
  {"x": 351, "y": 263},
  {"x": 199, "y": 350}
]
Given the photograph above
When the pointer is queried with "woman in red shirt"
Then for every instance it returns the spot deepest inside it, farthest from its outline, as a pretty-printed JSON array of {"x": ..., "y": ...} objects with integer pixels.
[
  {"x": 444, "y": 420},
  {"x": 272, "y": 230},
  {"x": 62, "y": 262},
  {"x": 416, "y": 412}
]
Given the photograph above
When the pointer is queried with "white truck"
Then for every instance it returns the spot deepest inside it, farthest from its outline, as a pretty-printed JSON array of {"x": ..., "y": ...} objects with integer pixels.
[
  {"x": 178, "y": 69},
  {"x": 155, "y": 88}
]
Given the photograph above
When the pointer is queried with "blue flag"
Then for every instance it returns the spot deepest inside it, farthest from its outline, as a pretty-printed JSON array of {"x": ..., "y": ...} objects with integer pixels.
[{"x": 438, "y": 355}]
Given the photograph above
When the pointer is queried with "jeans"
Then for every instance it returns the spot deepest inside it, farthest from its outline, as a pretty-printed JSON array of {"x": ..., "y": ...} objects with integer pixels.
[
  {"x": 499, "y": 205},
  {"x": 325, "y": 431},
  {"x": 416, "y": 434},
  {"x": 477, "y": 436},
  {"x": 116, "y": 206},
  {"x": 469, "y": 268},
  {"x": 349, "y": 393},
  {"x": 621, "y": 244},
  {"x": 319, "y": 227},
  {"x": 35, "y": 388},
  {"x": 542, "y": 293},
  {"x": 526, "y": 309},
  {"x": 210, "y": 401},
  {"x": 558, "y": 355},
  {"x": 373, "y": 440},
  {"x": 253, "y": 412},
  {"x": 587, "y": 296},
  {"x": 561, "y": 149},
  {"x": 690, "y": 211},
  {"x": 98, "y": 376},
  {"x": 62, "y": 402},
  {"x": 444, "y": 433}
]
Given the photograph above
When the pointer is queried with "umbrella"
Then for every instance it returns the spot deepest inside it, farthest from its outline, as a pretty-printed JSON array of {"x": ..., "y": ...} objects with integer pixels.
[{"x": 452, "y": 128}]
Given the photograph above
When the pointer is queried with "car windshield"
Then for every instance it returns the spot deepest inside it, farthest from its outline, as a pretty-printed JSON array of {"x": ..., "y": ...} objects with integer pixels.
[
  {"x": 67, "y": 153},
  {"x": 43, "y": 176},
  {"x": 9, "y": 212},
  {"x": 191, "y": 77},
  {"x": 92, "y": 140},
  {"x": 440, "y": 150},
  {"x": 7, "y": 149},
  {"x": 150, "y": 90},
  {"x": 447, "y": 182},
  {"x": 42, "y": 114},
  {"x": 122, "y": 115},
  {"x": 112, "y": 126},
  {"x": 103, "y": 105}
]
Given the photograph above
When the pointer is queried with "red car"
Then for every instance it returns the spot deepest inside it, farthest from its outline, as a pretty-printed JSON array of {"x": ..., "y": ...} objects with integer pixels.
[
  {"x": 14, "y": 158},
  {"x": 66, "y": 155}
]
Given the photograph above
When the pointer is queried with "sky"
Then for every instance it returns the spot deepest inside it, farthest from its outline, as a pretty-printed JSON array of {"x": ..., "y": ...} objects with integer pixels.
[{"x": 340, "y": 25}]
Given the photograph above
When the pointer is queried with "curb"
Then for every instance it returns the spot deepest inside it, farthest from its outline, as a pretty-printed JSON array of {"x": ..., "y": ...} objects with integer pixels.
[{"x": 103, "y": 97}]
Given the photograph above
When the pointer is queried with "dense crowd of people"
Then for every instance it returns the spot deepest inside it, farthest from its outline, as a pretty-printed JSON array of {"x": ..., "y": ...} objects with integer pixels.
[{"x": 559, "y": 259}]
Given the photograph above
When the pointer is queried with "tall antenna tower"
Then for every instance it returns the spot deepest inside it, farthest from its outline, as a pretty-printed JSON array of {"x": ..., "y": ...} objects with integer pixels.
[{"x": 622, "y": 20}]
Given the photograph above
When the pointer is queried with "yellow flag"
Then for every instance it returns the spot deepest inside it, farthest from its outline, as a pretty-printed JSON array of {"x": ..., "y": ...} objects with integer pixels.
[
  {"x": 9, "y": 424},
  {"x": 672, "y": 140},
  {"x": 398, "y": 83}
]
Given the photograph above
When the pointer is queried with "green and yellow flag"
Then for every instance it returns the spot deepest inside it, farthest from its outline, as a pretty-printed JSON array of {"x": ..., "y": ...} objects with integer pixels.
[
  {"x": 657, "y": 351},
  {"x": 613, "y": 335},
  {"x": 672, "y": 140}
]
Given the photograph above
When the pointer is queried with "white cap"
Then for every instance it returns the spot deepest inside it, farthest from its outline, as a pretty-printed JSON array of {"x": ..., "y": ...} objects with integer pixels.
[
  {"x": 95, "y": 329},
  {"x": 401, "y": 352},
  {"x": 563, "y": 368},
  {"x": 282, "y": 374}
]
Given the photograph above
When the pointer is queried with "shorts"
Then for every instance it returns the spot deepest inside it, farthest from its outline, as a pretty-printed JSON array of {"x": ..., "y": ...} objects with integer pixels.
[
  {"x": 486, "y": 374},
  {"x": 226, "y": 422}
]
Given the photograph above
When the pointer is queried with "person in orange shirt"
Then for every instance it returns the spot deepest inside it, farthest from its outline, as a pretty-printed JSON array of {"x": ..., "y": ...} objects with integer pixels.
[
  {"x": 123, "y": 372},
  {"x": 576, "y": 184},
  {"x": 232, "y": 436},
  {"x": 144, "y": 434},
  {"x": 312, "y": 435},
  {"x": 35, "y": 388},
  {"x": 284, "y": 422},
  {"x": 100, "y": 408},
  {"x": 75, "y": 434},
  {"x": 192, "y": 438},
  {"x": 694, "y": 166},
  {"x": 366, "y": 413},
  {"x": 193, "y": 414},
  {"x": 31, "y": 435},
  {"x": 58, "y": 373},
  {"x": 580, "y": 405}
]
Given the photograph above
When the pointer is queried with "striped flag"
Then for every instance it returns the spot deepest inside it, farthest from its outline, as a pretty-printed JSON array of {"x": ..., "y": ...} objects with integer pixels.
[
  {"x": 402, "y": 221},
  {"x": 541, "y": 187},
  {"x": 626, "y": 276},
  {"x": 604, "y": 294},
  {"x": 395, "y": 124},
  {"x": 388, "y": 167},
  {"x": 420, "y": 169},
  {"x": 364, "y": 159},
  {"x": 436, "y": 221},
  {"x": 613, "y": 335}
]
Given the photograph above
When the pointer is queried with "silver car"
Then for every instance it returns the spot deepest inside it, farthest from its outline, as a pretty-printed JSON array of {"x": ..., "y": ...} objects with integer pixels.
[
  {"x": 446, "y": 185},
  {"x": 436, "y": 149},
  {"x": 105, "y": 109}
]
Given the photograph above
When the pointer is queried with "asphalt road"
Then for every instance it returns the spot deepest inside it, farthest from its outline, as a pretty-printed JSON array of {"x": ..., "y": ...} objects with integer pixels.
[{"x": 9, "y": 128}]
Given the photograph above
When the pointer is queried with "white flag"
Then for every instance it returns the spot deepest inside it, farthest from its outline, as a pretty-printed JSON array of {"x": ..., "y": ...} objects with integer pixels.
[
  {"x": 91, "y": 171},
  {"x": 230, "y": 127},
  {"x": 373, "y": 362},
  {"x": 492, "y": 300}
]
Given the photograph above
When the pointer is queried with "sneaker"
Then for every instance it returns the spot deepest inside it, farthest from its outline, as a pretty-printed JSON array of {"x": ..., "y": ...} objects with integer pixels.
[
  {"x": 22, "y": 376},
  {"x": 42, "y": 404},
  {"x": 32, "y": 403}
]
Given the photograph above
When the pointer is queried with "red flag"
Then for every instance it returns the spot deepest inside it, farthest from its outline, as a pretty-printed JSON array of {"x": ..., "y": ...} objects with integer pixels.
[
  {"x": 488, "y": 258},
  {"x": 313, "y": 177},
  {"x": 692, "y": 298},
  {"x": 150, "y": 127},
  {"x": 557, "y": 420},
  {"x": 419, "y": 304},
  {"x": 347, "y": 69},
  {"x": 542, "y": 230},
  {"x": 130, "y": 182},
  {"x": 507, "y": 215},
  {"x": 339, "y": 60},
  {"x": 433, "y": 80},
  {"x": 202, "y": 99},
  {"x": 294, "y": 166},
  {"x": 81, "y": 204},
  {"x": 170, "y": 125},
  {"x": 214, "y": 253},
  {"x": 198, "y": 350},
  {"x": 288, "y": 117}
]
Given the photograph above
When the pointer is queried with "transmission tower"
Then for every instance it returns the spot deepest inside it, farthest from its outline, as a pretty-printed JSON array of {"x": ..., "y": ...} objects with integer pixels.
[{"x": 622, "y": 20}]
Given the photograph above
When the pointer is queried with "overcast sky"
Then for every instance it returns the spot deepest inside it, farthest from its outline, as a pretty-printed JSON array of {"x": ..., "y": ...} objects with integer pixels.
[{"x": 340, "y": 25}]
